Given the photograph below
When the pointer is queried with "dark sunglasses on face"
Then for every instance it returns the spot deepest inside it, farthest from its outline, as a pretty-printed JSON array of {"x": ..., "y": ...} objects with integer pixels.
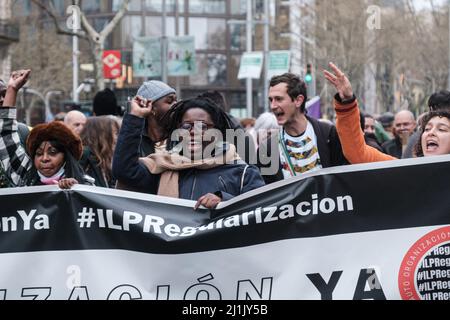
[{"x": 196, "y": 125}]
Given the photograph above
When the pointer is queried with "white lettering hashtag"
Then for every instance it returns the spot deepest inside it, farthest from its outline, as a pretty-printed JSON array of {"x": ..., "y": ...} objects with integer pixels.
[{"x": 86, "y": 217}]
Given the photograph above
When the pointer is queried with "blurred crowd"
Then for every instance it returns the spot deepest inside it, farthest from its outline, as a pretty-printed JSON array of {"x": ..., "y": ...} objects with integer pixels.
[{"x": 193, "y": 149}]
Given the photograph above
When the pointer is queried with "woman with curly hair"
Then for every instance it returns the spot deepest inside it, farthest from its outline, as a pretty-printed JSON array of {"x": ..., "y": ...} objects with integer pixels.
[
  {"x": 99, "y": 137},
  {"x": 435, "y": 134}
]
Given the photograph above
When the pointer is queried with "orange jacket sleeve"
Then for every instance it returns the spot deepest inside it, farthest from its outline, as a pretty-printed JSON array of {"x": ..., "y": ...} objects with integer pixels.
[{"x": 352, "y": 137}]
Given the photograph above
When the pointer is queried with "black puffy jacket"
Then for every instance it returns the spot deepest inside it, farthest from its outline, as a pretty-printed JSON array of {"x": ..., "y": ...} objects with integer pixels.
[{"x": 229, "y": 179}]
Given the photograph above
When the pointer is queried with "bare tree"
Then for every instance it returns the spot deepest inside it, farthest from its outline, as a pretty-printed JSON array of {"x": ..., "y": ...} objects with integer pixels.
[
  {"x": 45, "y": 53},
  {"x": 96, "y": 39},
  {"x": 409, "y": 52},
  {"x": 340, "y": 37}
]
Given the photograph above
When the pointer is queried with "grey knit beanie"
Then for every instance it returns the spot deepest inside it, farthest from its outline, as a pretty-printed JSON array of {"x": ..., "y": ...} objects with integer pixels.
[{"x": 154, "y": 90}]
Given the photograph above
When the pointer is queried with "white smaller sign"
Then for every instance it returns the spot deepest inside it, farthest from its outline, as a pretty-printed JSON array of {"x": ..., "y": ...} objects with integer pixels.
[
  {"x": 279, "y": 62},
  {"x": 87, "y": 67},
  {"x": 251, "y": 65}
]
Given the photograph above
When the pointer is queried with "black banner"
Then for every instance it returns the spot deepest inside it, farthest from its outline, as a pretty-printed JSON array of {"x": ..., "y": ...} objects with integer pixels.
[
  {"x": 374, "y": 231},
  {"x": 337, "y": 201}
]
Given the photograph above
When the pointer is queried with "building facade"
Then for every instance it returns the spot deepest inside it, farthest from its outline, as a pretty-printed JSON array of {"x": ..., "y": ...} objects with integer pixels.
[
  {"x": 219, "y": 44},
  {"x": 9, "y": 33}
]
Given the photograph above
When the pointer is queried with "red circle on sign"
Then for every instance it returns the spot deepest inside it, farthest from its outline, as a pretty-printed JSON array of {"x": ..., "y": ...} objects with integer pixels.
[{"x": 408, "y": 267}]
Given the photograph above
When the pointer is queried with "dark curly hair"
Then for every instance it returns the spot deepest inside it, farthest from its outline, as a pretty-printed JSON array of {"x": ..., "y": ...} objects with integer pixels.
[
  {"x": 439, "y": 101},
  {"x": 172, "y": 119},
  {"x": 423, "y": 123}
]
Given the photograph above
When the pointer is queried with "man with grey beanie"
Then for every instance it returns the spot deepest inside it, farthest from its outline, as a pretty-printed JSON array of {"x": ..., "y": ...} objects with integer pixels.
[
  {"x": 159, "y": 97},
  {"x": 162, "y": 97},
  {"x": 155, "y": 90}
]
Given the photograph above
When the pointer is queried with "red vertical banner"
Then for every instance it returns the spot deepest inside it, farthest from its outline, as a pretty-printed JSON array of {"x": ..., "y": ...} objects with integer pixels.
[{"x": 112, "y": 66}]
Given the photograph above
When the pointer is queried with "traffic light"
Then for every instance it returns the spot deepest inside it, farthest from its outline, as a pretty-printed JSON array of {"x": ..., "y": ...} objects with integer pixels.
[{"x": 308, "y": 75}]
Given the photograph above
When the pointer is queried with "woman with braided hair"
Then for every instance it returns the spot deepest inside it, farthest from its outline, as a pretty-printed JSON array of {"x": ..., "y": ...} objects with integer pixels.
[{"x": 197, "y": 165}]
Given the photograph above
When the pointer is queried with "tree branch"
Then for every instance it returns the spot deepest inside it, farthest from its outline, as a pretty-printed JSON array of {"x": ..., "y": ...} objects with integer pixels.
[
  {"x": 50, "y": 13},
  {"x": 89, "y": 29},
  {"x": 119, "y": 15},
  {"x": 99, "y": 37}
]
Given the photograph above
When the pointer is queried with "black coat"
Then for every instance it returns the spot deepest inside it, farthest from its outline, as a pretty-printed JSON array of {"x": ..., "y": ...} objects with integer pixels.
[
  {"x": 229, "y": 180},
  {"x": 393, "y": 148}
]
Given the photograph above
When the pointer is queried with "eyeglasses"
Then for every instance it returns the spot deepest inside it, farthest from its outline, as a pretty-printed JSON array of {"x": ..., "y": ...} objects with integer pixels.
[{"x": 196, "y": 125}]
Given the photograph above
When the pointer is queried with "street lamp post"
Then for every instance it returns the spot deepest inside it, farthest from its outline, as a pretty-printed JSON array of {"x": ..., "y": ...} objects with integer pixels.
[
  {"x": 74, "y": 23},
  {"x": 300, "y": 39},
  {"x": 266, "y": 54},
  {"x": 249, "y": 29},
  {"x": 448, "y": 81},
  {"x": 249, "y": 22},
  {"x": 312, "y": 43},
  {"x": 26, "y": 90},
  {"x": 75, "y": 67},
  {"x": 48, "y": 111},
  {"x": 177, "y": 33},
  {"x": 164, "y": 43}
]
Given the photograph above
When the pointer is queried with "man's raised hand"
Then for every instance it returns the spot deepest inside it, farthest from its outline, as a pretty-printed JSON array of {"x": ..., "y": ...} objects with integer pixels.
[
  {"x": 339, "y": 81},
  {"x": 141, "y": 107}
]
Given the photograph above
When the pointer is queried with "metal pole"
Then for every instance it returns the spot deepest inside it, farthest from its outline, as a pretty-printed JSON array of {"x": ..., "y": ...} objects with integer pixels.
[
  {"x": 177, "y": 32},
  {"x": 249, "y": 32},
  {"x": 266, "y": 54},
  {"x": 312, "y": 36},
  {"x": 41, "y": 96},
  {"x": 27, "y": 110},
  {"x": 448, "y": 81},
  {"x": 49, "y": 116},
  {"x": 164, "y": 43},
  {"x": 5, "y": 61},
  {"x": 314, "y": 67},
  {"x": 143, "y": 15},
  {"x": 75, "y": 67},
  {"x": 75, "y": 28}
]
